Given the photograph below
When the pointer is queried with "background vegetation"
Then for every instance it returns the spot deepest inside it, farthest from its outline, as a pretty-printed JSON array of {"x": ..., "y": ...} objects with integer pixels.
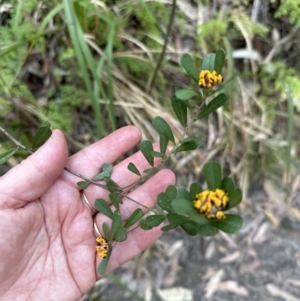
[{"x": 89, "y": 67}]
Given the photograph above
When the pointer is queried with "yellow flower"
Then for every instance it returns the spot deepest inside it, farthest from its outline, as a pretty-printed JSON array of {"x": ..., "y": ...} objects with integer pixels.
[
  {"x": 211, "y": 203},
  {"x": 208, "y": 79},
  {"x": 102, "y": 248}
]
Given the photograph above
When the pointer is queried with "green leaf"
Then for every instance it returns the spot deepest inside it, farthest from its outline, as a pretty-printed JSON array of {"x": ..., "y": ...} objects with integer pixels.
[
  {"x": 230, "y": 224},
  {"x": 84, "y": 184},
  {"x": 6, "y": 155},
  {"x": 151, "y": 170},
  {"x": 164, "y": 202},
  {"x": 168, "y": 227},
  {"x": 213, "y": 174},
  {"x": 152, "y": 221},
  {"x": 106, "y": 231},
  {"x": 171, "y": 192},
  {"x": 121, "y": 235},
  {"x": 208, "y": 62},
  {"x": 102, "y": 206},
  {"x": 158, "y": 155},
  {"x": 116, "y": 199},
  {"x": 198, "y": 218},
  {"x": 207, "y": 230},
  {"x": 184, "y": 194},
  {"x": 41, "y": 136},
  {"x": 106, "y": 172},
  {"x": 235, "y": 197},
  {"x": 134, "y": 217},
  {"x": 227, "y": 185},
  {"x": 133, "y": 169},
  {"x": 147, "y": 150},
  {"x": 116, "y": 224},
  {"x": 103, "y": 265},
  {"x": 190, "y": 228},
  {"x": 186, "y": 94},
  {"x": 163, "y": 128},
  {"x": 107, "y": 168},
  {"x": 214, "y": 104},
  {"x": 189, "y": 66},
  {"x": 180, "y": 109},
  {"x": 111, "y": 185},
  {"x": 219, "y": 60},
  {"x": 177, "y": 219},
  {"x": 188, "y": 144},
  {"x": 163, "y": 144},
  {"x": 195, "y": 189},
  {"x": 183, "y": 206}
]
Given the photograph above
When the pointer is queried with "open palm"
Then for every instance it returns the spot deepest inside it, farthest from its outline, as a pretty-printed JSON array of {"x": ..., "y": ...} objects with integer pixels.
[{"x": 47, "y": 240}]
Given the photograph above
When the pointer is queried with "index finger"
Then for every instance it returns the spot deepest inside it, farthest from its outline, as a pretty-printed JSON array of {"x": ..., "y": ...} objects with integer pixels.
[{"x": 89, "y": 161}]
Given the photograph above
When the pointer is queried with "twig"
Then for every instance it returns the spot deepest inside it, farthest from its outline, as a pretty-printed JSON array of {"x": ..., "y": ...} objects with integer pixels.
[
  {"x": 162, "y": 54},
  {"x": 19, "y": 144},
  {"x": 16, "y": 142}
]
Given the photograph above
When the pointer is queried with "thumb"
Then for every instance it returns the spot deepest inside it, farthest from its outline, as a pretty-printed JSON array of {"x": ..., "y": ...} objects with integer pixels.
[{"x": 33, "y": 177}]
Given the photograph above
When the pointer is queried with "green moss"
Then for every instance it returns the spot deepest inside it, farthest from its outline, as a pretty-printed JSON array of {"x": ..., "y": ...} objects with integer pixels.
[
  {"x": 210, "y": 33},
  {"x": 291, "y": 9}
]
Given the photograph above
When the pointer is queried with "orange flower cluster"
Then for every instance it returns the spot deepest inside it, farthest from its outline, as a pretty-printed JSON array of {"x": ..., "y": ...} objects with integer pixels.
[
  {"x": 102, "y": 248},
  {"x": 211, "y": 202},
  {"x": 208, "y": 79}
]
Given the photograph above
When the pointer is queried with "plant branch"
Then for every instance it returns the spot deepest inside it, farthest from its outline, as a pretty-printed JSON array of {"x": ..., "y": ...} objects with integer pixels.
[
  {"x": 16, "y": 142},
  {"x": 162, "y": 54}
]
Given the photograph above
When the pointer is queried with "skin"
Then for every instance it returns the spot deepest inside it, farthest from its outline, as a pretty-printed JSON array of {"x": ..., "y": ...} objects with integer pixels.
[{"x": 47, "y": 240}]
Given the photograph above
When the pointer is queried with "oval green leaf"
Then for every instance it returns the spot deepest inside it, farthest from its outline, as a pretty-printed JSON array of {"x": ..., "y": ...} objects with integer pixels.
[
  {"x": 190, "y": 228},
  {"x": 116, "y": 224},
  {"x": 219, "y": 60},
  {"x": 116, "y": 199},
  {"x": 102, "y": 206},
  {"x": 177, "y": 219},
  {"x": 188, "y": 144},
  {"x": 134, "y": 217},
  {"x": 168, "y": 227},
  {"x": 180, "y": 109},
  {"x": 121, "y": 235},
  {"x": 208, "y": 62},
  {"x": 7, "y": 155},
  {"x": 227, "y": 184},
  {"x": 171, "y": 192},
  {"x": 163, "y": 144},
  {"x": 195, "y": 188},
  {"x": 163, "y": 128},
  {"x": 103, "y": 265},
  {"x": 84, "y": 184},
  {"x": 232, "y": 223},
  {"x": 133, "y": 169},
  {"x": 198, "y": 218},
  {"x": 207, "y": 230},
  {"x": 147, "y": 150},
  {"x": 183, "y": 206},
  {"x": 152, "y": 221},
  {"x": 111, "y": 185},
  {"x": 189, "y": 66},
  {"x": 186, "y": 94},
  {"x": 235, "y": 197},
  {"x": 216, "y": 103},
  {"x": 164, "y": 202},
  {"x": 213, "y": 174},
  {"x": 41, "y": 136},
  {"x": 184, "y": 194},
  {"x": 106, "y": 231}
]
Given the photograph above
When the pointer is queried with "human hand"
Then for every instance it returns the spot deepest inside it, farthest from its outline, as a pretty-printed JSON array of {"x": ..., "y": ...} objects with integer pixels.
[{"x": 47, "y": 240}]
